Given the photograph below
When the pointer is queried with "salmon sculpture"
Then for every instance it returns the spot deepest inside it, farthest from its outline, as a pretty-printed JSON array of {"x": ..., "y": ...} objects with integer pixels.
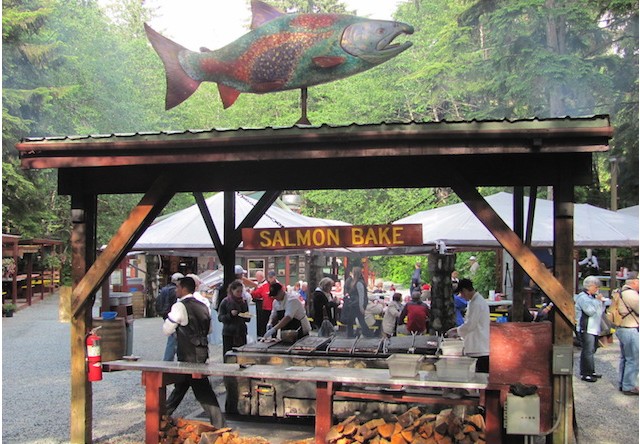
[{"x": 281, "y": 52}]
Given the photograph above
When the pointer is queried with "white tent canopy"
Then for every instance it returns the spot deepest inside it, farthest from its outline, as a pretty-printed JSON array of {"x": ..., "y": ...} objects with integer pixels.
[
  {"x": 186, "y": 232},
  {"x": 457, "y": 226}
]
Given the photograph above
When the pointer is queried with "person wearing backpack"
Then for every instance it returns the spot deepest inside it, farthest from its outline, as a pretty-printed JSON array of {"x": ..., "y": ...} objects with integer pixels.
[
  {"x": 355, "y": 303},
  {"x": 627, "y": 333},
  {"x": 164, "y": 302}
]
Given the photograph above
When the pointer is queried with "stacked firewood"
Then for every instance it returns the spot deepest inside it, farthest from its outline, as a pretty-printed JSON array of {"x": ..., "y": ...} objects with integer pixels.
[
  {"x": 412, "y": 427},
  {"x": 186, "y": 431}
]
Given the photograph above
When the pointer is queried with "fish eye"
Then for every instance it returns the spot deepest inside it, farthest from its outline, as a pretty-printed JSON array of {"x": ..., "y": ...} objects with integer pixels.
[{"x": 381, "y": 31}]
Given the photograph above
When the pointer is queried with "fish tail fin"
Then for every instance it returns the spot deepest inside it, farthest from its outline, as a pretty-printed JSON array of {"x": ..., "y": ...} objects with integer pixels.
[{"x": 179, "y": 85}]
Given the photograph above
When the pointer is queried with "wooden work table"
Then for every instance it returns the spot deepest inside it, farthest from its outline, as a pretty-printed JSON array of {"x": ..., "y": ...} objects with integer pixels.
[{"x": 156, "y": 375}]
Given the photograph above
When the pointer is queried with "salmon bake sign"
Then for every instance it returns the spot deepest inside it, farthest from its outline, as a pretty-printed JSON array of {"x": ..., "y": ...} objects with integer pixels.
[{"x": 329, "y": 237}]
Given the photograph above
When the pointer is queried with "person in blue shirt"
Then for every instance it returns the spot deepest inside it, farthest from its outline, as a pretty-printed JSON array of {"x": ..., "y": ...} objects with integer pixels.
[{"x": 460, "y": 305}]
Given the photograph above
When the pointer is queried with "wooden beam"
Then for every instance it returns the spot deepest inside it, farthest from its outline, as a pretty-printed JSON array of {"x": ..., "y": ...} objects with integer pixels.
[
  {"x": 208, "y": 222},
  {"x": 256, "y": 213},
  {"x": 228, "y": 257},
  {"x": 513, "y": 244},
  {"x": 517, "y": 310},
  {"x": 83, "y": 217},
  {"x": 129, "y": 232},
  {"x": 563, "y": 209}
]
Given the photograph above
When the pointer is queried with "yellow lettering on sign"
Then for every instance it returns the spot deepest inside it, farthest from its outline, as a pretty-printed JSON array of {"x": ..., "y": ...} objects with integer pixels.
[
  {"x": 303, "y": 238},
  {"x": 287, "y": 239},
  {"x": 266, "y": 240},
  {"x": 277, "y": 240},
  {"x": 397, "y": 235},
  {"x": 357, "y": 237},
  {"x": 333, "y": 237}
]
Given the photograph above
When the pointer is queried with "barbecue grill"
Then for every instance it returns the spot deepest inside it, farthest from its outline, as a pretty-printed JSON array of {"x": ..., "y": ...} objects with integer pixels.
[{"x": 262, "y": 397}]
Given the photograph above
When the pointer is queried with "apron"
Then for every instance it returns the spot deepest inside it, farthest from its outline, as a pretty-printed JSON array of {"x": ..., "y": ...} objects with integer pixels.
[{"x": 294, "y": 324}]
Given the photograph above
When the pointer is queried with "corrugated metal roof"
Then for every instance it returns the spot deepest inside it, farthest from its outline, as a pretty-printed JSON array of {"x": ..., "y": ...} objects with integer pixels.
[{"x": 463, "y": 125}]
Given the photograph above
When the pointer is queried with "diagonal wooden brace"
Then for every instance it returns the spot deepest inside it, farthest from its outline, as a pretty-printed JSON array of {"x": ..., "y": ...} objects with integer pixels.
[
  {"x": 516, "y": 248},
  {"x": 127, "y": 235}
]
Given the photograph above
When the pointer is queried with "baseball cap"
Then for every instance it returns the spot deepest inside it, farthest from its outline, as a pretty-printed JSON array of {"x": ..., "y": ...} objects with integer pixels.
[
  {"x": 239, "y": 270},
  {"x": 274, "y": 289},
  {"x": 176, "y": 276}
]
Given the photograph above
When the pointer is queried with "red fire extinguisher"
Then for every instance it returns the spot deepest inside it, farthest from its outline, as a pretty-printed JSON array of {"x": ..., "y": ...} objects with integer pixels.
[{"x": 94, "y": 372}]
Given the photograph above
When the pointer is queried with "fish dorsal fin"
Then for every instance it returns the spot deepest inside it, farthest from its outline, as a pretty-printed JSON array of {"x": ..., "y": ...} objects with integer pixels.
[
  {"x": 328, "y": 61},
  {"x": 262, "y": 13},
  {"x": 228, "y": 95}
]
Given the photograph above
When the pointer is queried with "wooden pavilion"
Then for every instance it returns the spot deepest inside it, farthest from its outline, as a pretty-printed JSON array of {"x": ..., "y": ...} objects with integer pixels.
[{"x": 554, "y": 152}]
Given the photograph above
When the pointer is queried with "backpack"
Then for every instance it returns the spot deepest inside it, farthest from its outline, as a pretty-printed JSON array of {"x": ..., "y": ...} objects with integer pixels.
[
  {"x": 613, "y": 311},
  {"x": 165, "y": 300}
]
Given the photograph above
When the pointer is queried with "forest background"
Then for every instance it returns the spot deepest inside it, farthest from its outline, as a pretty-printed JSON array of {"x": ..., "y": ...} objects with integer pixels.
[{"x": 85, "y": 67}]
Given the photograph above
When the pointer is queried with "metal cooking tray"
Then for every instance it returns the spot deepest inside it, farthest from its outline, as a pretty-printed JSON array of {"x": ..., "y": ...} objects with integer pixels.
[
  {"x": 341, "y": 346},
  {"x": 259, "y": 347},
  {"x": 309, "y": 344},
  {"x": 399, "y": 344},
  {"x": 368, "y": 346},
  {"x": 425, "y": 345}
]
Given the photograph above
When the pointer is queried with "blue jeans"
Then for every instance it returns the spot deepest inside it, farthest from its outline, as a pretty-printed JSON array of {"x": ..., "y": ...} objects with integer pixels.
[
  {"x": 171, "y": 348},
  {"x": 587, "y": 363},
  {"x": 628, "y": 368}
]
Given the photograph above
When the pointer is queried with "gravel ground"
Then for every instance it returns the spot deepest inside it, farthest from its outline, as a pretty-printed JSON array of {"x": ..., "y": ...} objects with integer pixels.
[{"x": 36, "y": 389}]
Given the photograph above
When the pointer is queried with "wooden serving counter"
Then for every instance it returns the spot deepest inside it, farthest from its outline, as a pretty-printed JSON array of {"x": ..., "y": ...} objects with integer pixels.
[{"x": 156, "y": 375}]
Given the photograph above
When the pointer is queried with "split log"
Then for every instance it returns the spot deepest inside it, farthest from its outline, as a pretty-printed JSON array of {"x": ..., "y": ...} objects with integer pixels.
[{"x": 412, "y": 427}]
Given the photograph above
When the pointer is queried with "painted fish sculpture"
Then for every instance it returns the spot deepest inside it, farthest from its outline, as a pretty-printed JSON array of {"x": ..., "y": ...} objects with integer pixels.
[{"x": 281, "y": 52}]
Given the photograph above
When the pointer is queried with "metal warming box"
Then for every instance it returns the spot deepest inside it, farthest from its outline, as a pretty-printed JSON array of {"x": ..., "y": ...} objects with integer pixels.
[{"x": 264, "y": 397}]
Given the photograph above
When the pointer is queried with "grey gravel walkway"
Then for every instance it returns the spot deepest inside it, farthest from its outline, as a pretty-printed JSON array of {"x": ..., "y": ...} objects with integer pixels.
[{"x": 36, "y": 389}]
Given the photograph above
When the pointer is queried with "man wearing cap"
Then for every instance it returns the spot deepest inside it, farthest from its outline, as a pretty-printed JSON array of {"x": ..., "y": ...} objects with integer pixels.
[
  {"x": 240, "y": 275},
  {"x": 262, "y": 293},
  {"x": 475, "y": 329},
  {"x": 166, "y": 299},
  {"x": 190, "y": 320},
  {"x": 475, "y": 265},
  {"x": 288, "y": 313}
]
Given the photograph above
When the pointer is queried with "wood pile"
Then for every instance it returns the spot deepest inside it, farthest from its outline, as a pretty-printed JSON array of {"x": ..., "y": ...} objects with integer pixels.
[
  {"x": 186, "y": 431},
  {"x": 412, "y": 427}
]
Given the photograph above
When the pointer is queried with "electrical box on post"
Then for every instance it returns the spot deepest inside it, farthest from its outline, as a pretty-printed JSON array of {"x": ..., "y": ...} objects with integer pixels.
[
  {"x": 562, "y": 362},
  {"x": 522, "y": 414}
]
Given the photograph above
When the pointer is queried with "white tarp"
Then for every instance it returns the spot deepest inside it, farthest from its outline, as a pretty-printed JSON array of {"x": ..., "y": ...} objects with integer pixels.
[
  {"x": 594, "y": 227},
  {"x": 185, "y": 230}
]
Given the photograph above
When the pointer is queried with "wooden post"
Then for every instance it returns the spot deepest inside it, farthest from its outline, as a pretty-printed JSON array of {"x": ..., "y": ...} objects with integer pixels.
[
  {"x": 518, "y": 272},
  {"x": 29, "y": 282},
  {"x": 83, "y": 216},
  {"x": 563, "y": 330}
]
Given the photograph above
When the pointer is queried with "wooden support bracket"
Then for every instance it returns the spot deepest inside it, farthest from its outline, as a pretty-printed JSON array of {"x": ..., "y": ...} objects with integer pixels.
[
  {"x": 129, "y": 232},
  {"x": 516, "y": 248}
]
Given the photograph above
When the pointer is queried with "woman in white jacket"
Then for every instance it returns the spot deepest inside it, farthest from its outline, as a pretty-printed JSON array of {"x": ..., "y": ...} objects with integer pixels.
[{"x": 390, "y": 319}]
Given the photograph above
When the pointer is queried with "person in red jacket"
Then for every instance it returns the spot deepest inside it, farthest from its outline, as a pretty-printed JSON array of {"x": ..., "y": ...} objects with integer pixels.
[
  {"x": 262, "y": 293},
  {"x": 417, "y": 314}
]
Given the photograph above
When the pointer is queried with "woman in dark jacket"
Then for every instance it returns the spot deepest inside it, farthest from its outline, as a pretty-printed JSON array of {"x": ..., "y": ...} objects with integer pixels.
[
  {"x": 234, "y": 315},
  {"x": 322, "y": 302}
]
